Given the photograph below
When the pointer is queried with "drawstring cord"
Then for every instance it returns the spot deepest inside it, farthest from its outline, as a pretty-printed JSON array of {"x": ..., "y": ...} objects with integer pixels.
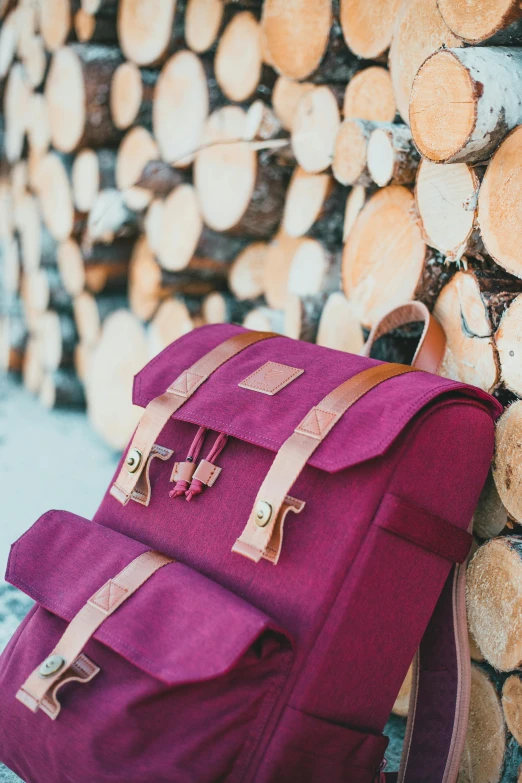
[
  {"x": 182, "y": 484},
  {"x": 196, "y": 486}
]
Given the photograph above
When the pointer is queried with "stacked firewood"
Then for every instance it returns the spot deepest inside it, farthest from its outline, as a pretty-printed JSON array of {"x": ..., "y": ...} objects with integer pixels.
[{"x": 168, "y": 164}]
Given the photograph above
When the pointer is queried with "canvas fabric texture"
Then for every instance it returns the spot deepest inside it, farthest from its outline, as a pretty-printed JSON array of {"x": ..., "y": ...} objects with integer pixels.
[{"x": 221, "y": 669}]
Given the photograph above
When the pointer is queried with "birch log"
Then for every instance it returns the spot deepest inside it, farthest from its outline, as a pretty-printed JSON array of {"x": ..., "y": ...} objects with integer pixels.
[
  {"x": 369, "y": 96},
  {"x": 77, "y": 95},
  {"x": 507, "y": 466},
  {"x": 315, "y": 127},
  {"x": 447, "y": 202},
  {"x": 464, "y": 101},
  {"x": 498, "y": 205},
  {"x": 149, "y": 30},
  {"x": 494, "y": 600},
  {"x": 484, "y": 21},
  {"x": 368, "y": 25},
  {"x": 296, "y": 35},
  {"x": 131, "y": 95},
  {"x": 392, "y": 157},
  {"x": 384, "y": 256},
  {"x": 419, "y": 31}
]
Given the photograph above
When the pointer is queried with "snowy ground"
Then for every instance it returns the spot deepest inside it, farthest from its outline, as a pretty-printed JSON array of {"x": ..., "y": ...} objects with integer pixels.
[{"x": 47, "y": 460}]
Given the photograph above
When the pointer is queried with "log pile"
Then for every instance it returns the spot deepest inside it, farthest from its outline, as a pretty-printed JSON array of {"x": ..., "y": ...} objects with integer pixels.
[{"x": 300, "y": 167}]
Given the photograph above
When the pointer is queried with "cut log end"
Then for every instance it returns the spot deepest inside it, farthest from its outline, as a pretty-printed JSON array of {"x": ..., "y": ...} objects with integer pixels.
[
  {"x": 490, "y": 517},
  {"x": 65, "y": 95},
  {"x": 368, "y": 25},
  {"x": 171, "y": 322},
  {"x": 384, "y": 255},
  {"x": 314, "y": 129},
  {"x": 180, "y": 108},
  {"x": 483, "y": 757},
  {"x": 508, "y": 340},
  {"x": 285, "y": 98},
  {"x": 470, "y": 354},
  {"x": 369, "y": 96},
  {"x": 507, "y": 465},
  {"x": 499, "y": 214},
  {"x": 420, "y": 30},
  {"x": 55, "y": 23},
  {"x": 202, "y": 23},
  {"x": 512, "y": 706},
  {"x": 296, "y": 35},
  {"x": 447, "y": 199},
  {"x": 181, "y": 227},
  {"x": 239, "y": 57},
  {"x": 475, "y": 23},
  {"x": 392, "y": 156},
  {"x": 494, "y": 600},
  {"x": 126, "y": 95},
  {"x": 350, "y": 159},
  {"x": 247, "y": 272},
  {"x": 120, "y": 354},
  {"x": 145, "y": 29},
  {"x": 442, "y": 119}
]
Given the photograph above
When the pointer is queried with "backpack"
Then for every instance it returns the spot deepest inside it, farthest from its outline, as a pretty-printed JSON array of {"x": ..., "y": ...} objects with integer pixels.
[{"x": 287, "y": 527}]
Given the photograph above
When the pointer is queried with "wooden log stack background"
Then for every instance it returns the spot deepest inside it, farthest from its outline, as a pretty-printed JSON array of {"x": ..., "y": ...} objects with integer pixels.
[{"x": 300, "y": 167}]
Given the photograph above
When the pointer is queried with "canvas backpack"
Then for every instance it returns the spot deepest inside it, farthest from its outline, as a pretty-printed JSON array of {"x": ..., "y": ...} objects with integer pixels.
[{"x": 287, "y": 527}]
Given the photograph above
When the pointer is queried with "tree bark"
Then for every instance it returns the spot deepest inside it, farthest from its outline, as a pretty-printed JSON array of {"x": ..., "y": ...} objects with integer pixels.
[
  {"x": 95, "y": 269},
  {"x": 302, "y": 315},
  {"x": 392, "y": 156},
  {"x": 96, "y": 28},
  {"x": 77, "y": 94},
  {"x": 245, "y": 199}
]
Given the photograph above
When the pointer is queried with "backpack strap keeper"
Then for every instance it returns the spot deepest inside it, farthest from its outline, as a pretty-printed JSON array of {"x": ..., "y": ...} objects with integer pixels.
[
  {"x": 263, "y": 538},
  {"x": 160, "y": 409}
]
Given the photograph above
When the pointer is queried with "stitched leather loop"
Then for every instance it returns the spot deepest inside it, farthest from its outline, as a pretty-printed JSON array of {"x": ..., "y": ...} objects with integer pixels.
[
  {"x": 432, "y": 344},
  {"x": 255, "y": 541},
  {"x": 161, "y": 408},
  {"x": 99, "y": 606}
]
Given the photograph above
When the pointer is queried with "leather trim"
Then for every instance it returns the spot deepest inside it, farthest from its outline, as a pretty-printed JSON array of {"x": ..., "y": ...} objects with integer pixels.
[
  {"x": 265, "y": 542},
  {"x": 161, "y": 408},
  {"x": 207, "y": 473},
  {"x": 432, "y": 344},
  {"x": 270, "y": 378},
  {"x": 39, "y": 692}
]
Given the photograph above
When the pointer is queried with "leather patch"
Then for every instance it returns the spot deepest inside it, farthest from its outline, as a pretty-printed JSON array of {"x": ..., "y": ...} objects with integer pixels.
[{"x": 271, "y": 378}]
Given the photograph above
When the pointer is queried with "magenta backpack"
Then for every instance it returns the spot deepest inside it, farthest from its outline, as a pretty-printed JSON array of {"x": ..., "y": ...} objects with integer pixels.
[{"x": 287, "y": 527}]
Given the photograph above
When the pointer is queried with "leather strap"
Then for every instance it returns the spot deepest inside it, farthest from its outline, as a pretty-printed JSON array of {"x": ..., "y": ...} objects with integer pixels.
[
  {"x": 262, "y": 529},
  {"x": 101, "y": 605},
  {"x": 432, "y": 344},
  {"x": 440, "y": 695},
  {"x": 161, "y": 408}
]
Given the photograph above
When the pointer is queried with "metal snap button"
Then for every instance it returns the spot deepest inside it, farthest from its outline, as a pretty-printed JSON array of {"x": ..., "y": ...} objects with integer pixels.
[
  {"x": 133, "y": 460},
  {"x": 51, "y": 665},
  {"x": 263, "y": 513}
]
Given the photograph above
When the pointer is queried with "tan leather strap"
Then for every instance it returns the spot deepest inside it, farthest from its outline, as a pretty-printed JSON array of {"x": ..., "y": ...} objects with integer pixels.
[
  {"x": 262, "y": 536},
  {"x": 161, "y": 408},
  {"x": 101, "y": 605},
  {"x": 432, "y": 344}
]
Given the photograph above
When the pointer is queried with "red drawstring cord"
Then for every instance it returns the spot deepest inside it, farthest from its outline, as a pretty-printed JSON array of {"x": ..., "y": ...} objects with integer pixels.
[
  {"x": 196, "y": 486},
  {"x": 182, "y": 485}
]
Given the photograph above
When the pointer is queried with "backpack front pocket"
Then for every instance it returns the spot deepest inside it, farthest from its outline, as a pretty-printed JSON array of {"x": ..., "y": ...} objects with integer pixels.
[{"x": 175, "y": 685}]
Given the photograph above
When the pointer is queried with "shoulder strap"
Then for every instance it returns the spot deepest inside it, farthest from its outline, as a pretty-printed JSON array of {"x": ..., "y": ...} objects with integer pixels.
[
  {"x": 262, "y": 536},
  {"x": 439, "y": 701},
  {"x": 432, "y": 344},
  {"x": 160, "y": 409}
]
